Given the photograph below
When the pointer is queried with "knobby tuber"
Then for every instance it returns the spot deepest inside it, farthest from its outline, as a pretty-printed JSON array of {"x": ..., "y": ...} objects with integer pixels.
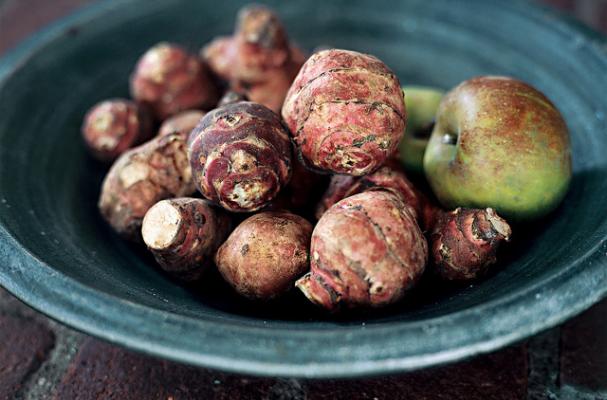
[
  {"x": 240, "y": 156},
  {"x": 170, "y": 80},
  {"x": 388, "y": 177},
  {"x": 183, "y": 234},
  {"x": 459, "y": 251},
  {"x": 258, "y": 59},
  {"x": 183, "y": 122},
  {"x": 141, "y": 177},
  {"x": 366, "y": 251},
  {"x": 465, "y": 241},
  {"x": 265, "y": 254},
  {"x": 113, "y": 126},
  {"x": 346, "y": 112}
]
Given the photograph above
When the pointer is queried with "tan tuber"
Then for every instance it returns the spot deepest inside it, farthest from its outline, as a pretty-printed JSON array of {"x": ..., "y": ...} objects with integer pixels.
[
  {"x": 183, "y": 234},
  {"x": 141, "y": 177},
  {"x": 182, "y": 122},
  {"x": 265, "y": 254}
]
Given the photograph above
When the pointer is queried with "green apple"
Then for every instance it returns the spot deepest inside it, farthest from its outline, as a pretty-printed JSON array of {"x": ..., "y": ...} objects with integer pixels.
[
  {"x": 499, "y": 143},
  {"x": 421, "y": 104}
]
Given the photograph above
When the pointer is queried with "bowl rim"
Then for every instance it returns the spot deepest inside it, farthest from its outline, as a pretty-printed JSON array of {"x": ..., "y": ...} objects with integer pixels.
[{"x": 505, "y": 320}]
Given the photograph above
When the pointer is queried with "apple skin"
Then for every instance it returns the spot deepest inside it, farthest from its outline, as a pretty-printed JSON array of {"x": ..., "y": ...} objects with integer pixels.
[
  {"x": 512, "y": 150},
  {"x": 421, "y": 104}
]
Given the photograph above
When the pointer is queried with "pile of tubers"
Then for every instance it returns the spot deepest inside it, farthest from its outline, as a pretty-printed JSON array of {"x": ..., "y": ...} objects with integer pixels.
[{"x": 292, "y": 179}]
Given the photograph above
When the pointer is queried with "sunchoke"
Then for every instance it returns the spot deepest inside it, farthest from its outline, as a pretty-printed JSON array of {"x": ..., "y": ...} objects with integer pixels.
[
  {"x": 141, "y": 177},
  {"x": 170, "y": 80},
  {"x": 258, "y": 59},
  {"x": 465, "y": 241},
  {"x": 183, "y": 122},
  {"x": 113, "y": 126},
  {"x": 265, "y": 254},
  {"x": 366, "y": 250},
  {"x": 183, "y": 234},
  {"x": 240, "y": 156},
  {"x": 346, "y": 112}
]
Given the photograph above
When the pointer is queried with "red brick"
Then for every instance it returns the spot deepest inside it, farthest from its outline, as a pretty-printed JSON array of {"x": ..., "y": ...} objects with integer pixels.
[
  {"x": 24, "y": 346},
  {"x": 498, "y": 376},
  {"x": 584, "y": 349},
  {"x": 103, "y": 371}
]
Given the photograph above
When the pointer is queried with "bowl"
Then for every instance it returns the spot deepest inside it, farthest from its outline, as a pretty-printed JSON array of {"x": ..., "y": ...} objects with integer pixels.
[{"x": 60, "y": 257}]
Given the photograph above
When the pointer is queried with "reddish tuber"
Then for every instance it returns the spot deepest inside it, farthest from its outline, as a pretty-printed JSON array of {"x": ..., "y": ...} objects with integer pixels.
[
  {"x": 170, "y": 80},
  {"x": 258, "y": 59},
  {"x": 346, "y": 111},
  {"x": 183, "y": 122},
  {"x": 367, "y": 251},
  {"x": 265, "y": 254},
  {"x": 389, "y": 177},
  {"x": 465, "y": 241},
  {"x": 240, "y": 156},
  {"x": 141, "y": 177},
  {"x": 183, "y": 234},
  {"x": 113, "y": 126}
]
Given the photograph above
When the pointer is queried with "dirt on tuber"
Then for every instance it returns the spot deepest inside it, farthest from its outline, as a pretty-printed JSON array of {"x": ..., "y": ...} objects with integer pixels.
[
  {"x": 141, "y": 177},
  {"x": 182, "y": 122},
  {"x": 346, "y": 112},
  {"x": 240, "y": 156},
  {"x": 113, "y": 126},
  {"x": 170, "y": 80},
  {"x": 265, "y": 254},
  {"x": 258, "y": 59},
  {"x": 366, "y": 251},
  {"x": 183, "y": 234}
]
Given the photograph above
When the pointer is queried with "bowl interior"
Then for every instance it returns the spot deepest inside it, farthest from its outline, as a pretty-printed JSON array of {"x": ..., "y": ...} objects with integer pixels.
[{"x": 49, "y": 186}]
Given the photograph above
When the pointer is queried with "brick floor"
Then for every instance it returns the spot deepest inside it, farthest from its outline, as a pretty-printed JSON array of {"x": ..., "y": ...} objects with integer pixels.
[{"x": 25, "y": 344}]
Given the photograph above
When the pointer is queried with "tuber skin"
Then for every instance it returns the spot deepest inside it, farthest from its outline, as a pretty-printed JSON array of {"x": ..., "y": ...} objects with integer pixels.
[
  {"x": 367, "y": 251},
  {"x": 183, "y": 234},
  {"x": 465, "y": 242},
  {"x": 230, "y": 97},
  {"x": 113, "y": 126},
  {"x": 388, "y": 177},
  {"x": 141, "y": 177},
  {"x": 240, "y": 156},
  {"x": 346, "y": 112},
  {"x": 183, "y": 122},
  {"x": 170, "y": 80},
  {"x": 258, "y": 59},
  {"x": 265, "y": 254}
]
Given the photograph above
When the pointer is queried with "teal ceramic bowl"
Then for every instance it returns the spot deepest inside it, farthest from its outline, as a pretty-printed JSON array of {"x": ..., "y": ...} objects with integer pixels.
[{"x": 57, "y": 255}]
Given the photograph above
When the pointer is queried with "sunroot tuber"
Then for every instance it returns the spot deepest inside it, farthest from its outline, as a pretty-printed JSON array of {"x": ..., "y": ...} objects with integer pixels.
[
  {"x": 183, "y": 234},
  {"x": 240, "y": 156},
  {"x": 389, "y": 177},
  {"x": 141, "y": 177},
  {"x": 367, "y": 250},
  {"x": 113, "y": 126},
  {"x": 346, "y": 112},
  {"x": 465, "y": 241},
  {"x": 258, "y": 59},
  {"x": 265, "y": 254},
  {"x": 183, "y": 122},
  {"x": 170, "y": 80}
]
